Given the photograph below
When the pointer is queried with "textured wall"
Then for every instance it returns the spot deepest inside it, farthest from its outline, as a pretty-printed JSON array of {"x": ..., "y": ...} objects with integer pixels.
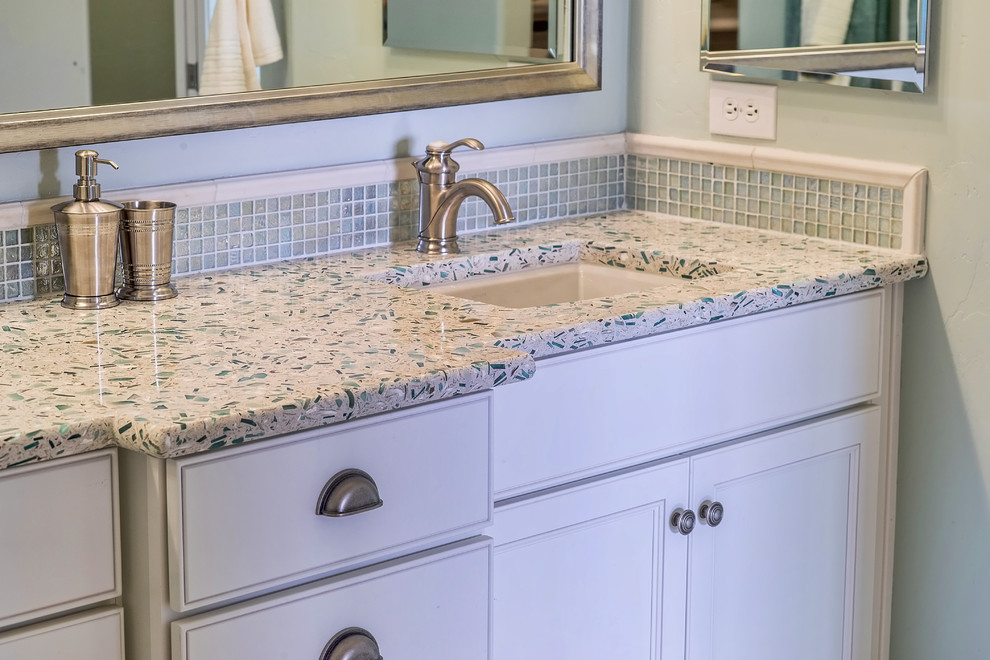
[{"x": 942, "y": 573}]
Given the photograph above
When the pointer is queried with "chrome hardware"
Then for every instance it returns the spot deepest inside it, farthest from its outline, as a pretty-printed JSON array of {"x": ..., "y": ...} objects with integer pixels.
[
  {"x": 682, "y": 521},
  {"x": 710, "y": 513},
  {"x": 351, "y": 644},
  {"x": 440, "y": 197},
  {"x": 86, "y": 188},
  {"x": 348, "y": 493},
  {"x": 146, "y": 250},
  {"x": 88, "y": 228}
]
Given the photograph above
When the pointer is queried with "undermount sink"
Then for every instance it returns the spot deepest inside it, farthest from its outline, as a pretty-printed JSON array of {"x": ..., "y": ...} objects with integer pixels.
[
  {"x": 522, "y": 277},
  {"x": 560, "y": 283}
]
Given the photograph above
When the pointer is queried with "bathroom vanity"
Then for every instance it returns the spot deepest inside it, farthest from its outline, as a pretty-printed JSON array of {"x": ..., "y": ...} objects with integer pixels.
[
  {"x": 703, "y": 464},
  {"x": 728, "y": 494}
]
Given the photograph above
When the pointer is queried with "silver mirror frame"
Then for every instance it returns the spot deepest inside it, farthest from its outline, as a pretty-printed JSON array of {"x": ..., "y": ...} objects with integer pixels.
[
  {"x": 25, "y": 131},
  {"x": 825, "y": 61}
]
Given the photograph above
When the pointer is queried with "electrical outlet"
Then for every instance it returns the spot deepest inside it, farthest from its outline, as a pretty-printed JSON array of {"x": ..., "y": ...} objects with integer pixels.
[
  {"x": 730, "y": 109},
  {"x": 743, "y": 110}
]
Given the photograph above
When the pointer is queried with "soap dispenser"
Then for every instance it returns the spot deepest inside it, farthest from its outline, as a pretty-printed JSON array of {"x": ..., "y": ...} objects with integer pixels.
[{"x": 87, "y": 237}]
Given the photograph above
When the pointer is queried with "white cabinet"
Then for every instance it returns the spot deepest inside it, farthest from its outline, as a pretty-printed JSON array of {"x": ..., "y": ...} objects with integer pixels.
[
  {"x": 245, "y": 520},
  {"x": 60, "y": 553},
  {"x": 592, "y": 571},
  {"x": 60, "y": 519},
  {"x": 789, "y": 570},
  {"x": 95, "y": 635},
  {"x": 795, "y": 564},
  {"x": 231, "y": 555},
  {"x": 783, "y": 419},
  {"x": 589, "y": 412},
  {"x": 433, "y": 605},
  {"x": 596, "y": 570}
]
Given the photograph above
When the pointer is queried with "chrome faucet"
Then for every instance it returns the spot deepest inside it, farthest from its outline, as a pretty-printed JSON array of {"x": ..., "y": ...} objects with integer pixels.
[{"x": 440, "y": 197}]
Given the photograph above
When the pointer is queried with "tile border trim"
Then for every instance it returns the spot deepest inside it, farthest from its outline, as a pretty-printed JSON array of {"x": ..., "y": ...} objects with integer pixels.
[
  {"x": 911, "y": 178},
  {"x": 33, "y": 213}
]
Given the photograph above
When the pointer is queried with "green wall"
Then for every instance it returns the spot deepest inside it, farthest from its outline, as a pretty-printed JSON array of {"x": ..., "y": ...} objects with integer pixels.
[
  {"x": 132, "y": 50},
  {"x": 942, "y": 557}
]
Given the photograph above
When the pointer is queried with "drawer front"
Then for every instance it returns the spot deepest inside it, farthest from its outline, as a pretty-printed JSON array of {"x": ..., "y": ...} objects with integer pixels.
[
  {"x": 97, "y": 635},
  {"x": 59, "y": 540},
  {"x": 434, "y": 605},
  {"x": 244, "y": 521},
  {"x": 621, "y": 405}
]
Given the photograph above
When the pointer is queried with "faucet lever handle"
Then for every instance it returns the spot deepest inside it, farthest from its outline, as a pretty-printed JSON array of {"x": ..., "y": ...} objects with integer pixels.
[{"x": 443, "y": 149}]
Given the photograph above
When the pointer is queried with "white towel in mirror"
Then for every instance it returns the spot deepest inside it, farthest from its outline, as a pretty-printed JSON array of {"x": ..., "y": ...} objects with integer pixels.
[
  {"x": 825, "y": 22},
  {"x": 243, "y": 36}
]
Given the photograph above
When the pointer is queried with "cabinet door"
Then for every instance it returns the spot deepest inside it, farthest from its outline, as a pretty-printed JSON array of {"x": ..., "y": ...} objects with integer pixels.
[
  {"x": 93, "y": 635},
  {"x": 593, "y": 571},
  {"x": 59, "y": 539},
  {"x": 789, "y": 571}
]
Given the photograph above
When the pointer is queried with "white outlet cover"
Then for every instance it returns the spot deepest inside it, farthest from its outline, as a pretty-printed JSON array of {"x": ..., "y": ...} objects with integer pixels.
[{"x": 764, "y": 97}]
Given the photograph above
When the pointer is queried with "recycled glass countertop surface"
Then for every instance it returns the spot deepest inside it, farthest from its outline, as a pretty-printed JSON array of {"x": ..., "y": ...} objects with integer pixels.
[{"x": 247, "y": 354}]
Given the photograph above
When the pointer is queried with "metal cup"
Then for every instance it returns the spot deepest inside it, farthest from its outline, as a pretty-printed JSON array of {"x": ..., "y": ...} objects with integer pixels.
[{"x": 146, "y": 250}]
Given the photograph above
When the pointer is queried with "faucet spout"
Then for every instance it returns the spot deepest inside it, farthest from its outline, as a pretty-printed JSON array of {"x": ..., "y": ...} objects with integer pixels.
[
  {"x": 441, "y": 198},
  {"x": 488, "y": 193}
]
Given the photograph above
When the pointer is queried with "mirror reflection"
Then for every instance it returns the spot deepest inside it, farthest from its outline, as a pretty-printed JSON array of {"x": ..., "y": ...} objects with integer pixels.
[
  {"x": 522, "y": 29},
  {"x": 868, "y": 43},
  {"x": 80, "y": 54}
]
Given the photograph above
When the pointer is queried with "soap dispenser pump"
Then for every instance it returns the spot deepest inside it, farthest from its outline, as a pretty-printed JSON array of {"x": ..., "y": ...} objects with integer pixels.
[{"x": 87, "y": 237}]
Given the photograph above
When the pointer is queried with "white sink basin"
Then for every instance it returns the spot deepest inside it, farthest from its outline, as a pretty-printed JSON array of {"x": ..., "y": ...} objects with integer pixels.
[{"x": 548, "y": 285}]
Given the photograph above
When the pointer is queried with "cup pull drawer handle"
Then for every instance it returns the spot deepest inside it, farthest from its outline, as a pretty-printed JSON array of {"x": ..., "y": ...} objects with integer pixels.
[
  {"x": 351, "y": 644},
  {"x": 348, "y": 492}
]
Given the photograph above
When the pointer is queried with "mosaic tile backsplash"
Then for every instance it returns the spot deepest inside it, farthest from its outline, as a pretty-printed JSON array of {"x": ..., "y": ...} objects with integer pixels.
[
  {"x": 220, "y": 236},
  {"x": 824, "y": 208},
  {"x": 18, "y": 249}
]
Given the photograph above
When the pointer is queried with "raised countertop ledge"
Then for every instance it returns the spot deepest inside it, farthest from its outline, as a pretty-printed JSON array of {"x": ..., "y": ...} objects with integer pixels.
[{"x": 247, "y": 354}]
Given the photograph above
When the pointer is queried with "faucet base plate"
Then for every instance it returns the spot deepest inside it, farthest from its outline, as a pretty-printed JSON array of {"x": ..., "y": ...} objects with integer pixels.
[{"x": 438, "y": 245}]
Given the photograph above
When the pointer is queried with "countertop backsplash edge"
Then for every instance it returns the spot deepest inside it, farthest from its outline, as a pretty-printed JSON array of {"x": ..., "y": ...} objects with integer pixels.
[{"x": 242, "y": 221}]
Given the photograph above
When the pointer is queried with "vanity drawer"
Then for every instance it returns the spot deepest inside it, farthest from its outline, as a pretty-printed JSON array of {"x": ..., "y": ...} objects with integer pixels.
[
  {"x": 243, "y": 521},
  {"x": 632, "y": 402},
  {"x": 433, "y": 605},
  {"x": 58, "y": 536},
  {"x": 96, "y": 635}
]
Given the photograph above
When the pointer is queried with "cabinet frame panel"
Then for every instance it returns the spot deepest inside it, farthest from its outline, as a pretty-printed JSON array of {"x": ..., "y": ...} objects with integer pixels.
[{"x": 67, "y": 465}]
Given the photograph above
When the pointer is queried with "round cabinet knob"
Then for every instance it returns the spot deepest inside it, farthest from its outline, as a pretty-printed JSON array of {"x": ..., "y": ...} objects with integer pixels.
[
  {"x": 682, "y": 521},
  {"x": 711, "y": 513},
  {"x": 347, "y": 493},
  {"x": 351, "y": 644}
]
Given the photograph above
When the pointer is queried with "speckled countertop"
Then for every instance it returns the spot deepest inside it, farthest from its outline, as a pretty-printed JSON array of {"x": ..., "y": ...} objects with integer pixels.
[{"x": 246, "y": 354}]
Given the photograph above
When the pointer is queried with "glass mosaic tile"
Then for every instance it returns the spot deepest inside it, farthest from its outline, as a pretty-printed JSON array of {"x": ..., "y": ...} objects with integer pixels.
[
  {"x": 769, "y": 200},
  {"x": 234, "y": 234}
]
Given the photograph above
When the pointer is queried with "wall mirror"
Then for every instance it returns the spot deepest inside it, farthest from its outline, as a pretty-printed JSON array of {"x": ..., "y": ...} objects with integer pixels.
[
  {"x": 525, "y": 30},
  {"x": 878, "y": 44},
  {"x": 201, "y": 70}
]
